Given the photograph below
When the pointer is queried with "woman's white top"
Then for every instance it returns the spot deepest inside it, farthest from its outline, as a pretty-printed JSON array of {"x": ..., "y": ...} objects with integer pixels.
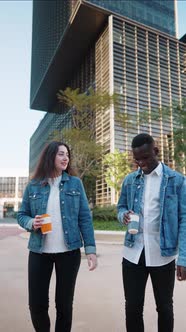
[{"x": 54, "y": 242}]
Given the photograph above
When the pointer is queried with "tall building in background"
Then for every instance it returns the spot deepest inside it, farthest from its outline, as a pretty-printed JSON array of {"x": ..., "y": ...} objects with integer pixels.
[
  {"x": 129, "y": 47},
  {"x": 158, "y": 14},
  {"x": 51, "y": 20}
]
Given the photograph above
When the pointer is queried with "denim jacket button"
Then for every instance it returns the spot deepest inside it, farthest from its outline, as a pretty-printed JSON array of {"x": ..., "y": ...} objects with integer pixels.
[
  {"x": 136, "y": 200},
  {"x": 66, "y": 232},
  {"x": 62, "y": 202}
]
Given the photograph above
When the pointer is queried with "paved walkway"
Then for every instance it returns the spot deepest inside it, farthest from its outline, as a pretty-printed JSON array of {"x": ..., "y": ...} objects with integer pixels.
[
  {"x": 8, "y": 220},
  {"x": 98, "y": 303}
]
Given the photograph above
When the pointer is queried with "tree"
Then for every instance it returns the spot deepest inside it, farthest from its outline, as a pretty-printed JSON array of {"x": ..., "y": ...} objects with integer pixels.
[
  {"x": 87, "y": 153},
  {"x": 117, "y": 167},
  {"x": 85, "y": 106},
  {"x": 81, "y": 134},
  {"x": 179, "y": 134},
  {"x": 177, "y": 137}
]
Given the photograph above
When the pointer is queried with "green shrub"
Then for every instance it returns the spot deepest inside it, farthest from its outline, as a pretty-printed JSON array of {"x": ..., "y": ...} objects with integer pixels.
[
  {"x": 15, "y": 215},
  {"x": 106, "y": 213},
  {"x": 108, "y": 225}
]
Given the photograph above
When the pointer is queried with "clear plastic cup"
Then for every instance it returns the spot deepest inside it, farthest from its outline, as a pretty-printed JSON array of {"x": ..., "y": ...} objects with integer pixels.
[{"x": 133, "y": 225}]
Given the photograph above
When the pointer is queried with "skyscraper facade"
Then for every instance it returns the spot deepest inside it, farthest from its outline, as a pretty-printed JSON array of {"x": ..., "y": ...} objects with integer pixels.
[
  {"x": 159, "y": 14},
  {"x": 144, "y": 63}
]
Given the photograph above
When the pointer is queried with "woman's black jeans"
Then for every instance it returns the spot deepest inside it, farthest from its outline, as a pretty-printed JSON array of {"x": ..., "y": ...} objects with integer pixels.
[
  {"x": 134, "y": 280},
  {"x": 40, "y": 268}
]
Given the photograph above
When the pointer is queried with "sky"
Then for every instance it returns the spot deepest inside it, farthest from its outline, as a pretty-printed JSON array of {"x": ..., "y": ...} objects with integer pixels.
[{"x": 18, "y": 122}]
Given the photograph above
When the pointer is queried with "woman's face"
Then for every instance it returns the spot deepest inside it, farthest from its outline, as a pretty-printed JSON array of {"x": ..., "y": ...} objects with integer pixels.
[{"x": 61, "y": 159}]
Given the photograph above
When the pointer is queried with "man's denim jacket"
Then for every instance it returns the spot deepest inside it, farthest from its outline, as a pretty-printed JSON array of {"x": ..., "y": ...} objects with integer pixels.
[
  {"x": 172, "y": 210},
  {"x": 75, "y": 213}
]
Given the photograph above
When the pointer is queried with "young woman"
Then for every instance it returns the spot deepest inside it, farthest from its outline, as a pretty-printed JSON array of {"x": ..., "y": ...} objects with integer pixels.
[{"x": 53, "y": 190}]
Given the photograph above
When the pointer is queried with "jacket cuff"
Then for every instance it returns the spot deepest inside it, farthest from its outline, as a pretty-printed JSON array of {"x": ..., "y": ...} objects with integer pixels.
[
  {"x": 29, "y": 225},
  {"x": 120, "y": 217},
  {"x": 90, "y": 250}
]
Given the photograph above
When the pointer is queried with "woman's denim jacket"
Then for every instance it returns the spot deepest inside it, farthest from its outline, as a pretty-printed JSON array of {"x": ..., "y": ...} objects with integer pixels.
[
  {"x": 172, "y": 210},
  {"x": 75, "y": 213}
]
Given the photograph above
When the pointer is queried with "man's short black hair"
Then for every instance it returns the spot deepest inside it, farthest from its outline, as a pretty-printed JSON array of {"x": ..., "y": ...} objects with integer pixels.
[{"x": 142, "y": 139}]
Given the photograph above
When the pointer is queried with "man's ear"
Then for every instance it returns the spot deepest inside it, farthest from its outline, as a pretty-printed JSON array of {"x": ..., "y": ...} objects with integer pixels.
[{"x": 156, "y": 150}]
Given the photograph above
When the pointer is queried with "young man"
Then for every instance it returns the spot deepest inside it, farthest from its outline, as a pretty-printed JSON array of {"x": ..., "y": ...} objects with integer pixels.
[{"x": 158, "y": 195}]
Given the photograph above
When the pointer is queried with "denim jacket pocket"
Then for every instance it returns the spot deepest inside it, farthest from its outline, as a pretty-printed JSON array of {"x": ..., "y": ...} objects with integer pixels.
[
  {"x": 35, "y": 203},
  {"x": 171, "y": 204},
  {"x": 72, "y": 199}
]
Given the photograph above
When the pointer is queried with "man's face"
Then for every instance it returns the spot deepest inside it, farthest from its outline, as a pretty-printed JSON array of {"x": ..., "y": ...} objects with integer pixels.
[{"x": 146, "y": 157}]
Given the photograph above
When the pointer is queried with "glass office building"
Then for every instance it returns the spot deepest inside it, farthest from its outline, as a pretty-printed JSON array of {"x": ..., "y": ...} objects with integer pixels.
[
  {"x": 101, "y": 48},
  {"x": 51, "y": 20},
  {"x": 159, "y": 14}
]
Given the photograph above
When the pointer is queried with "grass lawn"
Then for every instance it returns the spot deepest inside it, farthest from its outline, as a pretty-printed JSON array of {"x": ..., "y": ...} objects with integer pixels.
[{"x": 108, "y": 225}]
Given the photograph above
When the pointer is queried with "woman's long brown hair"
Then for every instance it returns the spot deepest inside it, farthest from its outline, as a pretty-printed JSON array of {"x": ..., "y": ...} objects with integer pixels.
[{"x": 45, "y": 168}]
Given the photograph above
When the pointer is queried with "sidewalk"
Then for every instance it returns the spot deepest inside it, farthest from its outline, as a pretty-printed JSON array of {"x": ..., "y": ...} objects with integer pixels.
[
  {"x": 107, "y": 237},
  {"x": 102, "y": 237},
  {"x": 5, "y": 221},
  {"x": 98, "y": 302}
]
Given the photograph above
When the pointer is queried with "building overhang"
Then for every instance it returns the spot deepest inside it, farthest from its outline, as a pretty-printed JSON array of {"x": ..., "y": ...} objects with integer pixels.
[
  {"x": 84, "y": 26},
  {"x": 183, "y": 38}
]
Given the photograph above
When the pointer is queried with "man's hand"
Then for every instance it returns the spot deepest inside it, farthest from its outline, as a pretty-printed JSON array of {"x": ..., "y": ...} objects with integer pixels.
[
  {"x": 181, "y": 272},
  {"x": 126, "y": 217}
]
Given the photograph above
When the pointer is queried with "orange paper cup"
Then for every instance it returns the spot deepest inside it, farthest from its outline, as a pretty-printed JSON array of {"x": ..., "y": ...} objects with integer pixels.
[{"x": 47, "y": 224}]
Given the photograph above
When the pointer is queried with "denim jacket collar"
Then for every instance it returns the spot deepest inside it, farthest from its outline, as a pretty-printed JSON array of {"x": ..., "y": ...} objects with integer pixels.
[
  {"x": 44, "y": 182},
  {"x": 167, "y": 172},
  {"x": 65, "y": 177}
]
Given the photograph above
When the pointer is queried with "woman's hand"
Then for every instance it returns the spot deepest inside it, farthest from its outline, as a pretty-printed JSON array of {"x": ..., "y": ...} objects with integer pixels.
[
  {"x": 92, "y": 261},
  {"x": 37, "y": 222}
]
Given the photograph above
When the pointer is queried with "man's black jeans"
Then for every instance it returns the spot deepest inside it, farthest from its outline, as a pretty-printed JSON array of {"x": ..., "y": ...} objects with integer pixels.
[
  {"x": 134, "y": 281},
  {"x": 40, "y": 268}
]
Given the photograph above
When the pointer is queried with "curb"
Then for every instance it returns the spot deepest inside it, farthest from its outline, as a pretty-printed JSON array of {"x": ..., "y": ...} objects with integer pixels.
[
  {"x": 109, "y": 232},
  {"x": 10, "y": 225}
]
